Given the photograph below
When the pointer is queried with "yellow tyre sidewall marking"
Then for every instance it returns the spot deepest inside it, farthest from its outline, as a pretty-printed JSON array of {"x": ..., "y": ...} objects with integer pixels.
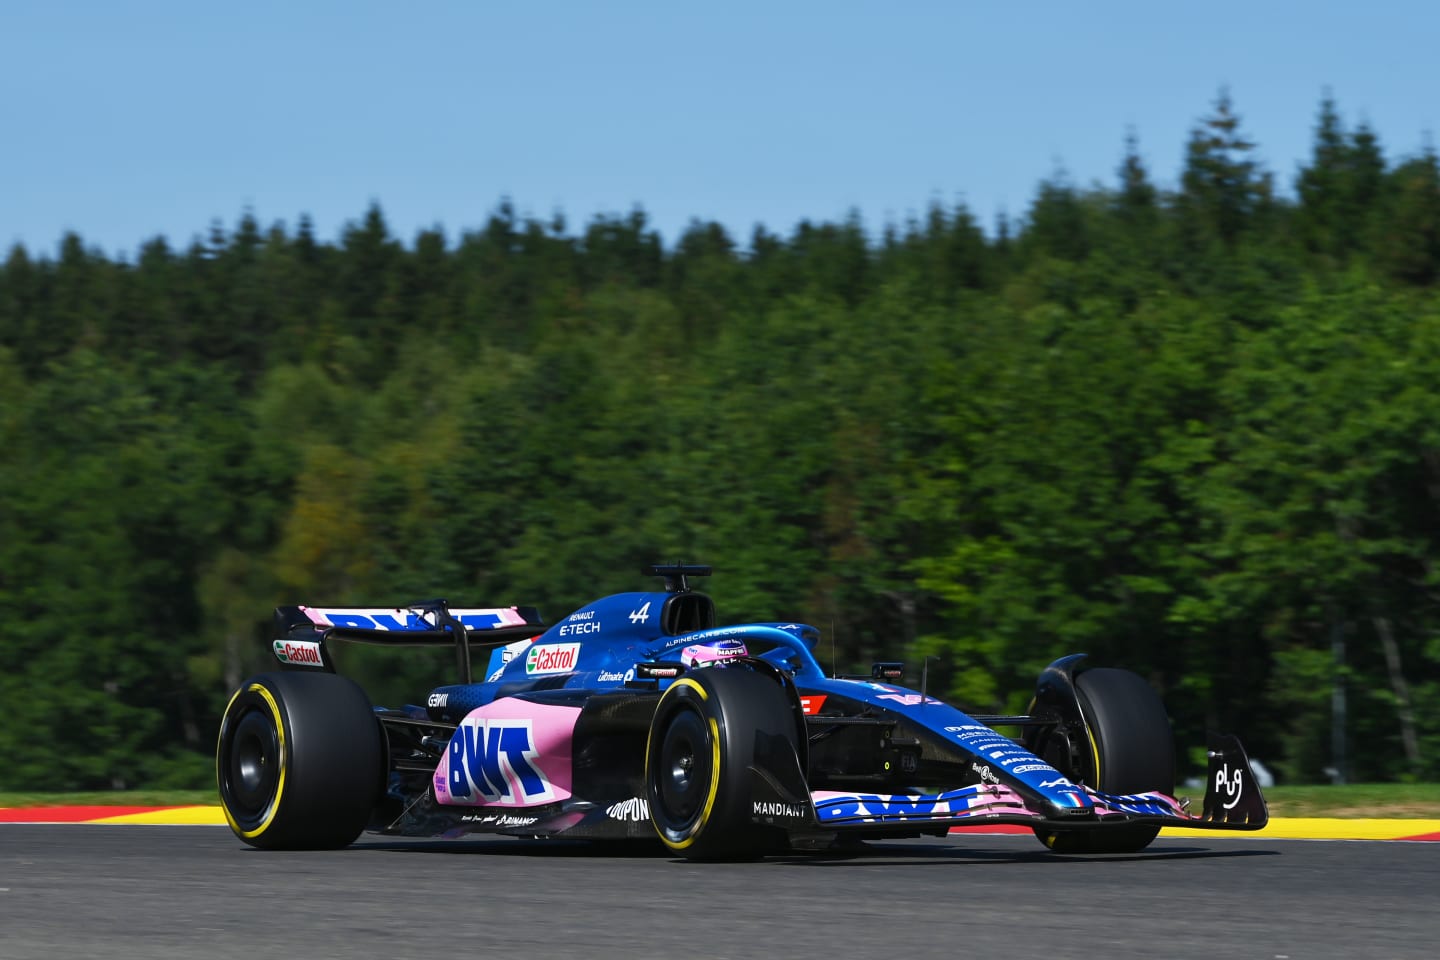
[
  {"x": 1094, "y": 752},
  {"x": 704, "y": 818},
  {"x": 280, "y": 784}
]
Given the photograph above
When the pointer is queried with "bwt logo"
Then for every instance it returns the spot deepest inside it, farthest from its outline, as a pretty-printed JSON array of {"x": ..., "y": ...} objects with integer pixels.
[
  {"x": 412, "y": 621},
  {"x": 494, "y": 761},
  {"x": 867, "y": 806}
]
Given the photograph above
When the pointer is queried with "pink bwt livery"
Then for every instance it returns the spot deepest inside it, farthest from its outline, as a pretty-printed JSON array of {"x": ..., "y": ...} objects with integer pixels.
[{"x": 508, "y": 753}]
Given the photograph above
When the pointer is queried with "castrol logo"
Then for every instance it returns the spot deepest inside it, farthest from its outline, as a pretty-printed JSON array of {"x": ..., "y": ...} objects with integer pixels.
[
  {"x": 552, "y": 658},
  {"x": 303, "y": 652}
]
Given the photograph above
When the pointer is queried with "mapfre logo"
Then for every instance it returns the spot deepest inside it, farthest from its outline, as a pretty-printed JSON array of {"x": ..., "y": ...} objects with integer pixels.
[
  {"x": 303, "y": 652},
  {"x": 552, "y": 658}
]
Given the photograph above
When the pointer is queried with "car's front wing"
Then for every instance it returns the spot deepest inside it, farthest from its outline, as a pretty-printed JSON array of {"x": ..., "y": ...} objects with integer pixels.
[
  {"x": 1232, "y": 802},
  {"x": 993, "y": 803}
]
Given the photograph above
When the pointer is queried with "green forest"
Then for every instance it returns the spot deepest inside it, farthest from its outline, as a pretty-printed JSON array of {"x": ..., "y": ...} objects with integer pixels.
[{"x": 1190, "y": 429}]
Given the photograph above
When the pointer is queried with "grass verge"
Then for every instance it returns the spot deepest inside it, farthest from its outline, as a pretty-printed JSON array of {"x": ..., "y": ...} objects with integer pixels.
[{"x": 1401, "y": 801}]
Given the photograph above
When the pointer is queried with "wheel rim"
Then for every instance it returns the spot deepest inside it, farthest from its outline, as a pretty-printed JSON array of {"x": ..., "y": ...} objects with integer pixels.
[
  {"x": 252, "y": 767},
  {"x": 683, "y": 773}
]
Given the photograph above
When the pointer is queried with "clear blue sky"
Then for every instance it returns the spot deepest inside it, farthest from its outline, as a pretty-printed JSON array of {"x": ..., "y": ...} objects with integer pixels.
[{"x": 124, "y": 120}]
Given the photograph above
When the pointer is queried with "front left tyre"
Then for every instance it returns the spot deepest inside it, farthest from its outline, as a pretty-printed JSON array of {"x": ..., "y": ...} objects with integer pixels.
[
  {"x": 709, "y": 730},
  {"x": 1126, "y": 747},
  {"x": 299, "y": 761}
]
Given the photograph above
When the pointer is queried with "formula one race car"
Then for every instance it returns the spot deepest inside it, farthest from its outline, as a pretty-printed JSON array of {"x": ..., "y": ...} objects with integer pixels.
[{"x": 637, "y": 717}]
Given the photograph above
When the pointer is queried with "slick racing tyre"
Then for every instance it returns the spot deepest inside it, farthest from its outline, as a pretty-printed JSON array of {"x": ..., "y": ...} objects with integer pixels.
[
  {"x": 703, "y": 741},
  {"x": 1130, "y": 749},
  {"x": 299, "y": 761}
]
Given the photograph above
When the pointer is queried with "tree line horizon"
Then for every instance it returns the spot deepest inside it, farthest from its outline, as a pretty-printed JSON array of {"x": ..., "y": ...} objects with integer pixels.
[{"x": 1189, "y": 431}]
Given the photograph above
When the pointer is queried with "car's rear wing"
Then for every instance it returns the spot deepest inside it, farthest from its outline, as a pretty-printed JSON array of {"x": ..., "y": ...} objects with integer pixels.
[{"x": 301, "y": 631}]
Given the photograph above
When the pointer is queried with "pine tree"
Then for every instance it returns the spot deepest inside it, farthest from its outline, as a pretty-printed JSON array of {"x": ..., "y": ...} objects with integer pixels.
[
  {"x": 1135, "y": 204},
  {"x": 1321, "y": 187},
  {"x": 1410, "y": 247},
  {"x": 1340, "y": 189},
  {"x": 1222, "y": 187}
]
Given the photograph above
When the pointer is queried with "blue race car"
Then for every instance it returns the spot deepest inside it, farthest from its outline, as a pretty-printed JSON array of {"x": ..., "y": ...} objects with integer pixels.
[{"x": 637, "y": 717}]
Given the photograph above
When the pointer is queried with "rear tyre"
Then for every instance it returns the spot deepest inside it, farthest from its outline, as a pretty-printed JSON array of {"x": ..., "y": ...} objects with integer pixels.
[
  {"x": 299, "y": 761},
  {"x": 702, "y": 743},
  {"x": 1130, "y": 749}
]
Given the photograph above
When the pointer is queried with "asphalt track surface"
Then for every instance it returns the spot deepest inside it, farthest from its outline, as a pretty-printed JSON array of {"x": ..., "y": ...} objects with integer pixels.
[{"x": 162, "y": 892}]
